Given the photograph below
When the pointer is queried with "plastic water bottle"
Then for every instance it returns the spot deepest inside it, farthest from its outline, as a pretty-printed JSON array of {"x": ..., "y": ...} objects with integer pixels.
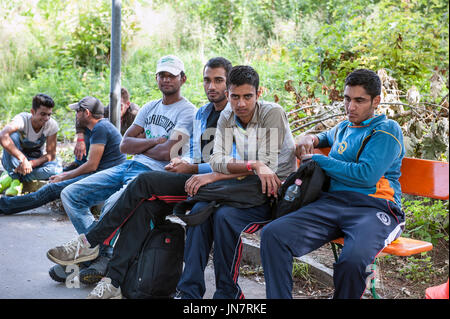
[{"x": 293, "y": 191}]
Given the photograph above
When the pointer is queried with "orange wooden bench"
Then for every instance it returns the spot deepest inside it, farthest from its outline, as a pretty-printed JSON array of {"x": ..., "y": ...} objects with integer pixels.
[{"x": 419, "y": 177}]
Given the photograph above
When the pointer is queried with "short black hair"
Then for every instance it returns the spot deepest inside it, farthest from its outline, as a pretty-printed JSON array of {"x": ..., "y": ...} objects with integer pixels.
[
  {"x": 368, "y": 79},
  {"x": 42, "y": 99},
  {"x": 243, "y": 74},
  {"x": 219, "y": 62}
]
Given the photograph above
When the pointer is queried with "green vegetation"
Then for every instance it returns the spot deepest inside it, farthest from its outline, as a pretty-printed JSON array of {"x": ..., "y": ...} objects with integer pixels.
[
  {"x": 301, "y": 49},
  {"x": 427, "y": 219},
  {"x": 61, "y": 47}
]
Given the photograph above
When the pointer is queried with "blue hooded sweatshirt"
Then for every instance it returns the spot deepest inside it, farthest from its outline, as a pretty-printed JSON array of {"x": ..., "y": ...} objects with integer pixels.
[{"x": 377, "y": 170}]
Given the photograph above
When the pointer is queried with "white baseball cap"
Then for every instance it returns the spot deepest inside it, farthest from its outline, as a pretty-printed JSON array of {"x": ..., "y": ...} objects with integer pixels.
[{"x": 171, "y": 64}]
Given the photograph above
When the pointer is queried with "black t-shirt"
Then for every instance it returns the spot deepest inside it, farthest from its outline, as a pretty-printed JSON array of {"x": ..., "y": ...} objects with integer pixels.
[{"x": 211, "y": 122}]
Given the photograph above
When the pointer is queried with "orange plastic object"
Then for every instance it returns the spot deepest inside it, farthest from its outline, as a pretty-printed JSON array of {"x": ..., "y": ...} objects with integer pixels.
[
  {"x": 420, "y": 177},
  {"x": 437, "y": 292},
  {"x": 402, "y": 246},
  {"x": 425, "y": 178}
]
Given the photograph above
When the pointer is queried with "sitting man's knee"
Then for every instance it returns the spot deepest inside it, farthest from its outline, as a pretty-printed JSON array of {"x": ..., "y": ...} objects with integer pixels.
[
  {"x": 269, "y": 233},
  {"x": 65, "y": 194}
]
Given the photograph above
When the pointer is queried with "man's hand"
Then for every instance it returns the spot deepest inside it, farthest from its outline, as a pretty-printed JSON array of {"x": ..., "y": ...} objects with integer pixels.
[
  {"x": 177, "y": 165},
  {"x": 196, "y": 181},
  {"x": 80, "y": 150},
  {"x": 57, "y": 178},
  {"x": 24, "y": 168},
  {"x": 269, "y": 180},
  {"x": 305, "y": 145},
  {"x": 161, "y": 140}
]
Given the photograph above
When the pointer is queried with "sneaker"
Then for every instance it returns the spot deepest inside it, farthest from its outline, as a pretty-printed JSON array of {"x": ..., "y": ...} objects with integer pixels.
[
  {"x": 105, "y": 290},
  {"x": 95, "y": 272},
  {"x": 75, "y": 251},
  {"x": 5, "y": 181},
  {"x": 70, "y": 167},
  {"x": 15, "y": 189}
]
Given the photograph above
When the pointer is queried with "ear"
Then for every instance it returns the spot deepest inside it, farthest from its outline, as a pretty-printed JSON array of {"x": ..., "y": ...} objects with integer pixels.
[
  {"x": 32, "y": 111},
  {"x": 258, "y": 94},
  {"x": 183, "y": 79},
  {"x": 376, "y": 101}
]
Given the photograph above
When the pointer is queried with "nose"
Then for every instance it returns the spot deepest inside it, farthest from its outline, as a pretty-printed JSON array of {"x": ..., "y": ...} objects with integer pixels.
[{"x": 351, "y": 105}]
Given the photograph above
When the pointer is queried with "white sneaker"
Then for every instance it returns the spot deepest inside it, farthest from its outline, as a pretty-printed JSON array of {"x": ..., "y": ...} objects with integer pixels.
[
  {"x": 105, "y": 290},
  {"x": 75, "y": 251}
]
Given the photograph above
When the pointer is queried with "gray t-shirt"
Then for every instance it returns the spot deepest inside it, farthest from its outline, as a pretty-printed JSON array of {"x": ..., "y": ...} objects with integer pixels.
[
  {"x": 29, "y": 138},
  {"x": 159, "y": 120}
]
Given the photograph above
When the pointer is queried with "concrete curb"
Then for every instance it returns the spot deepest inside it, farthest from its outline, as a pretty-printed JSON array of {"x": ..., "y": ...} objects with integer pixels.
[
  {"x": 251, "y": 255},
  {"x": 323, "y": 274}
]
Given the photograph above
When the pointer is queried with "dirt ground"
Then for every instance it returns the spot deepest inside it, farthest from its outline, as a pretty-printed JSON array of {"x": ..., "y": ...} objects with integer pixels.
[{"x": 397, "y": 277}]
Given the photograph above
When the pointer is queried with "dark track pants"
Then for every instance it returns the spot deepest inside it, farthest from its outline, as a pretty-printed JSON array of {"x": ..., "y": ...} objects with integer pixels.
[
  {"x": 149, "y": 194},
  {"x": 368, "y": 225},
  {"x": 224, "y": 228}
]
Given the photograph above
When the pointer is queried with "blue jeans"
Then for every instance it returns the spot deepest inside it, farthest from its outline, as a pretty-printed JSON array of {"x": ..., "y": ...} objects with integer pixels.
[
  {"x": 78, "y": 197},
  {"x": 44, "y": 195},
  {"x": 42, "y": 172}
]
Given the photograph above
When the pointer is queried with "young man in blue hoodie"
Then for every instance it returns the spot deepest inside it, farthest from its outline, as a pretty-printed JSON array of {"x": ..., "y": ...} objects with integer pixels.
[{"x": 363, "y": 203}]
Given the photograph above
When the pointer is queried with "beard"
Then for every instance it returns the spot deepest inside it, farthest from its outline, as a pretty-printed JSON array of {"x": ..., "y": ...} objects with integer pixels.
[{"x": 216, "y": 99}]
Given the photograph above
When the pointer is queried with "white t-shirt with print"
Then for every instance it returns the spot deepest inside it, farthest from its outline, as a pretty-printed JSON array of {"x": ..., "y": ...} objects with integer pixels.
[
  {"x": 26, "y": 131},
  {"x": 159, "y": 120}
]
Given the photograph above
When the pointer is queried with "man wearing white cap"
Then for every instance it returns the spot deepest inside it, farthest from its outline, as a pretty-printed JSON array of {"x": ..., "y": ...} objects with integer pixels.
[{"x": 166, "y": 124}]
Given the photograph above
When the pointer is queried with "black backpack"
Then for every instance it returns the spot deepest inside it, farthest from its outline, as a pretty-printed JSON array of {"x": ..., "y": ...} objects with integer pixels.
[
  {"x": 314, "y": 181},
  {"x": 155, "y": 272},
  {"x": 237, "y": 192}
]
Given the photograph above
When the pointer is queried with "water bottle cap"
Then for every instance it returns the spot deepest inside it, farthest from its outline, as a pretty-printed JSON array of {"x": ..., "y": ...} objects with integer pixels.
[{"x": 298, "y": 182}]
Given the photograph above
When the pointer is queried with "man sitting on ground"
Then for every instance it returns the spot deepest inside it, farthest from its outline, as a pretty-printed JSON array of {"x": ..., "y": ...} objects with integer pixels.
[
  {"x": 103, "y": 150},
  {"x": 24, "y": 140},
  {"x": 128, "y": 112}
]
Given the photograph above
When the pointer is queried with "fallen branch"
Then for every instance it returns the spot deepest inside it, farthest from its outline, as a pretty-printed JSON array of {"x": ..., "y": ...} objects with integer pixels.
[{"x": 316, "y": 121}]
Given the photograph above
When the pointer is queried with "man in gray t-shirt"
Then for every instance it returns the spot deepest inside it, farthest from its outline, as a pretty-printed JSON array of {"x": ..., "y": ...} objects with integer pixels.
[
  {"x": 167, "y": 124},
  {"x": 29, "y": 145}
]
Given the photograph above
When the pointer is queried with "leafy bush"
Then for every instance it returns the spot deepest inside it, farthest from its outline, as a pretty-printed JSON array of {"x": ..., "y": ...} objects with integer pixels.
[{"x": 426, "y": 219}]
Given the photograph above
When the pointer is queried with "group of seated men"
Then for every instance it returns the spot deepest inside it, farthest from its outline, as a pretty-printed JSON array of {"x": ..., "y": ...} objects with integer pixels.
[{"x": 178, "y": 149}]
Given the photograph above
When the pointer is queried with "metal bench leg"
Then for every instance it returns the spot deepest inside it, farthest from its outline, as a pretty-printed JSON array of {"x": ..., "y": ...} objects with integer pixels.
[
  {"x": 373, "y": 282},
  {"x": 334, "y": 248}
]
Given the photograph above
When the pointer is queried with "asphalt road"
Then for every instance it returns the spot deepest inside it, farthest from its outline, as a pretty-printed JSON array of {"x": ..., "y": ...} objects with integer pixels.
[{"x": 24, "y": 241}]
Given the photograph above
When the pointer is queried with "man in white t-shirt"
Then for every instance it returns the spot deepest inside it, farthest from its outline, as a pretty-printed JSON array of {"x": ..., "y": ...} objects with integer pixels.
[
  {"x": 167, "y": 125},
  {"x": 29, "y": 144}
]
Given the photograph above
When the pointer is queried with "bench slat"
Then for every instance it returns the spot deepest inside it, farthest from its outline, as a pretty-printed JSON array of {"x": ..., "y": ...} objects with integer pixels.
[
  {"x": 425, "y": 178},
  {"x": 402, "y": 246},
  {"x": 419, "y": 177}
]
